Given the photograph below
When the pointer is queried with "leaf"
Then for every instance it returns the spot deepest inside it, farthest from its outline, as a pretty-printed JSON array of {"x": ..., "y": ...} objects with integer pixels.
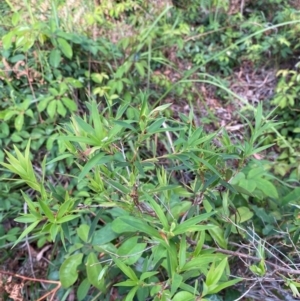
[
  {"x": 249, "y": 185},
  {"x": 126, "y": 270},
  {"x": 83, "y": 289},
  {"x": 55, "y": 58},
  {"x": 51, "y": 109},
  {"x": 243, "y": 214},
  {"x": 68, "y": 271},
  {"x": 97, "y": 160},
  {"x": 190, "y": 224},
  {"x": 26, "y": 231},
  {"x": 93, "y": 269},
  {"x": 119, "y": 226},
  {"x": 61, "y": 110},
  {"x": 267, "y": 188},
  {"x": 69, "y": 103},
  {"x": 65, "y": 48},
  {"x": 176, "y": 281},
  {"x": 217, "y": 235},
  {"x": 104, "y": 235},
  {"x": 19, "y": 121},
  {"x": 132, "y": 250},
  {"x": 202, "y": 261},
  {"x": 183, "y": 295},
  {"x": 83, "y": 232},
  {"x": 293, "y": 196},
  {"x": 215, "y": 273},
  {"x": 140, "y": 225}
]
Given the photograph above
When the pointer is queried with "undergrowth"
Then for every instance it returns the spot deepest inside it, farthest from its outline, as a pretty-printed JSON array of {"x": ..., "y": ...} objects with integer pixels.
[{"x": 110, "y": 188}]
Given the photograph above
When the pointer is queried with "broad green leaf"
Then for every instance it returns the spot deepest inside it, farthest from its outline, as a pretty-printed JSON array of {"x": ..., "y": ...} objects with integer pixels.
[
  {"x": 67, "y": 218},
  {"x": 68, "y": 273},
  {"x": 141, "y": 226},
  {"x": 184, "y": 296},
  {"x": 217, "y": 235},
  {"x": 248, "y": 184},
  {"x": 120, "y": 226},
  {"x": 83, "y": 289},
  {"x": 159, "y": 212},
  {"x": 243, "y": 214},
  {"x": 93, "y": 269},
  {"x": 202, "y": 261},
  {"x": 55, "y": 58},
  {"x": 7, "y": 40},
  {"x": 215, "y": 273},
  {"x": 98, "y": 159},
  {"x": 126, "y": 270},
  {"x": 192, "y": 222},
  {"x": 61, "y": 110},
  {"x": 293, "y": 196},
  {"x": 147, "y": 275},
  {"x": 104, "y": 235},
  {"x": 19, "y": 121},
  {"x": 28, "y": 218},
  {"x": 65, "y": 47},
  {"x": 267, "y": 188},
  {"x": 83, "y": 232},
  {"x": 47, "y": 211},
  {"x": 176, "y": 281},
  {"x": 132, "y": 250},
  {"x": 224, "y": 285},
  {"x": 51, "y": 108},
  {"x": 69, "y": 103}
]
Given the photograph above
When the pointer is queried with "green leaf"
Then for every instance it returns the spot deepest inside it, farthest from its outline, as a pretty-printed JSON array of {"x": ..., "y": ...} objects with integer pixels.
[
  {"x": 93, "y": 269},
  {"x": 217, "y": 235},
  {"x": 191, "y": 224},
  {"x": 69, "y": 103},
  {"x": 119, "y": 226},
  {"x": 224, "y": 285},
  {"x": 83, "y": 289},
  {"x": 293, "y": 196},
  {"x": 131, "y": 294},
  {"x": 67, "y": 218},
  {"x": 61, "y": 110},
  {"x": 26, "y": 231},
  {"x": 51, "y": 109},
  {"x": 126, "y": 270},
  {"x": 176, "y": 281},
  {"x": 65, "y": 48},
  {"x": 68, "y": 271},
  {"x": 97, "y": 160},
  {"x": 202, "y": 261},
  {"x": 183, "y": 295},
  {"x": 140, "y": 225},
  {"x": 7, "y": 40},
  {"x": 19, "y": 121},
  {"x": 46, "y": 210},
  {"x": 55, "y": 58},
  {"x": 83, "y": 232},
  {"x": 243, "y": 214},
  {"x": 104, "y": 235},
  {"x": 215, "y": 273},
  {"x": 132, "y": 250},
  {"x": 267, "y": 188},
  {"x": 248, "y": 185}
]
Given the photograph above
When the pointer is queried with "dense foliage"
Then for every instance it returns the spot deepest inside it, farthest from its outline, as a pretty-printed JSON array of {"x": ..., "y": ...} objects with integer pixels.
[{"x": 118, "y": 170}]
